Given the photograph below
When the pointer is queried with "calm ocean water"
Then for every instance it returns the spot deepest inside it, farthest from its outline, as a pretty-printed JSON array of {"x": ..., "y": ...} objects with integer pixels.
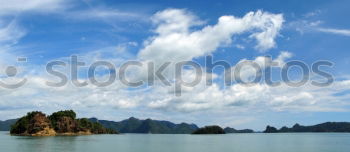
[{"x": 298, "y": 142}]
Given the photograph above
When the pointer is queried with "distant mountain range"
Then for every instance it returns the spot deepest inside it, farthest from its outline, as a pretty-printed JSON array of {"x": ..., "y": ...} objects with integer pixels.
[
  {"x": 6, "y": 125},
  {"x": 134, "y": 125},
  {"x": 324, "y": 127}
]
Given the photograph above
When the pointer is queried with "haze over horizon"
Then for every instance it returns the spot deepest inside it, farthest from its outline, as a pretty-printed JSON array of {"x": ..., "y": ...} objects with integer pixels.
[{"x": 166, "y": 31}]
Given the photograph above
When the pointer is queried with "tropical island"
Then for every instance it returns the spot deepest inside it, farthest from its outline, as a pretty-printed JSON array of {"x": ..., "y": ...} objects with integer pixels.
[{"x": 37, "y": 123}]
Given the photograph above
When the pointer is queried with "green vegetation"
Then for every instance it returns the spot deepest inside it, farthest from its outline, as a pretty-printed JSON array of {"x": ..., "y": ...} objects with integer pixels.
[
  {"x": 94, "y": 127},
  {"x": 210, "y": 130},
  {"x": 56, "y": 117}
]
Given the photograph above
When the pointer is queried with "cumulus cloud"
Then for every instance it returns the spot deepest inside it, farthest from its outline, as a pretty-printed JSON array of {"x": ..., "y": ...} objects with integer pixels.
[
  {"x": 176, "y": 38},
  {"x": 260, "y": 97},
  {"x": 247, "y": 72}
]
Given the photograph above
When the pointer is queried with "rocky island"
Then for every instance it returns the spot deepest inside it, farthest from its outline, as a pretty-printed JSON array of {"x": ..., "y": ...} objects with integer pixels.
[{"x": 59, "y": 123}]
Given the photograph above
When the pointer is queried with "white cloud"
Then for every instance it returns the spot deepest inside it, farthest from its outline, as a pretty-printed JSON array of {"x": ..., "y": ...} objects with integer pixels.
[
  {"x": 248, "y": 72},
  {"x": 344, "y": 32},
  {"x": 177, "y": 41},
  {"x": 284, "y": 55},
  {"x": 260, "y": 97},
  {"x": 303, "y": 25}
]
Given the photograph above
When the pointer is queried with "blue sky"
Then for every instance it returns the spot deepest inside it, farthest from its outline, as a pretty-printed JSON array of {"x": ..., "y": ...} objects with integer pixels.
[{"x": 119, "y": 31}]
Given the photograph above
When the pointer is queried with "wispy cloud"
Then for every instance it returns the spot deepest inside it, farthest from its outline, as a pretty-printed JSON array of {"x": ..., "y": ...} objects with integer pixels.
[
  {"x": 303, "y": 26},
  {"x": 105, "y": 14},
  {"x": 11, "y": 32},
  {"x": 312, "y": 13},
  {"x": 307, "y": 24},
  {"x": 10, "y": 7},
  {"x": 345, "y": 32}
]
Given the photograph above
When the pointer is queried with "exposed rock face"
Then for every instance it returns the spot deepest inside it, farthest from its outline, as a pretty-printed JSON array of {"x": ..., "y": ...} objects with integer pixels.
[
  {"x": 33, "y": 124},
  {"x": 66, "y": 124},
  {"x": 39, "y": 123},
  {"x": 46, "y": 132}
]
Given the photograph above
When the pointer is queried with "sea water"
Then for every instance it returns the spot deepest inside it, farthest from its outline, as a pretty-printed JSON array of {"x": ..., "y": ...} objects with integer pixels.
[{"x": 256, "y": 142}]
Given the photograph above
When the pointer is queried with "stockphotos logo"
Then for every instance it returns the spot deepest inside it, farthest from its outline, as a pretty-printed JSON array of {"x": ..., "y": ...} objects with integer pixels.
[
  {"x": 171, "y": 74},
  {"x": 11, "y": 72}
]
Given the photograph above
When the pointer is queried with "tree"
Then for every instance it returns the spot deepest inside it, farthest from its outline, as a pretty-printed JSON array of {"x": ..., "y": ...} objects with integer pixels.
[{"x": 210, "y": 130}]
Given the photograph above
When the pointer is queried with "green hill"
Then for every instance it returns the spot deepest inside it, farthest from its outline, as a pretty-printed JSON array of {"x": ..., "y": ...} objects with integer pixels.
[{"x": 134, "y": 125}]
